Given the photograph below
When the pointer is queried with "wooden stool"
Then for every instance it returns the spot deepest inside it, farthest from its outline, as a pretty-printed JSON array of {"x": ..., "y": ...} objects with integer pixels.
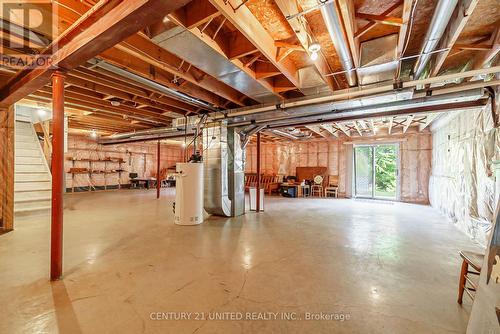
[{"x": 475, "y": 260}]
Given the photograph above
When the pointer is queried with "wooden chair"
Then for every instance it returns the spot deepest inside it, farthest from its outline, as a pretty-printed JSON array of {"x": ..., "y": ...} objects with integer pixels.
[
  {"x": 333, "y": 186},
  {"x": 475, "y": 261},
  {"x": 317, "y": 187}
]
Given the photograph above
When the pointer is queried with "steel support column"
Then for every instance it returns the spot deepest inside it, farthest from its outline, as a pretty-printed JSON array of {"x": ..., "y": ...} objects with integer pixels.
[
  {"x": 57, "y": 167},
  {"x": 258, "y": 173},
  {"x": 158, "y": 180}
]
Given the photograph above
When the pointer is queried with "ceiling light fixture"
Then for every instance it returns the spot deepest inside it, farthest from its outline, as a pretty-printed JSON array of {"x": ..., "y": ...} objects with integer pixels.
[
  {"x": 314, "y": 48},
  {"x": 41, "y": 112},
  {"x": 93, "y": 133},
  {"x": 115, "y": 103}
]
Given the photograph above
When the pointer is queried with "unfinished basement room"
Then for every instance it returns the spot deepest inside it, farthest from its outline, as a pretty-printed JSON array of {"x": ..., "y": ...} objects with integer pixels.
[{"x": 250, "y": 166}]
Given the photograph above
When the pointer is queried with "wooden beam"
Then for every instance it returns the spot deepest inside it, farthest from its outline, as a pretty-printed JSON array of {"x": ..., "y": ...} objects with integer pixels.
[
  {"x": 330, "y": 129},
  {"x": 97, "y": 30},
  {"x": 458, "y": 20},
  {"x": 391, "y": 121},
  {"x": 165, "y": 78},
  {"x": 480, "y": 47},
  {"x": 316, "y": 129},
  {"x": 196, "y": 12},
  {"x": 382, "y": 19},
  {"x": 141, "y": 47},
  {"x": 428, "y": 119},
  {"x": 300, "y": 27},
  {"x": 356, "y": 126},
  {"x": 408, "y": 122},
  {"x": 485, "y": 57},
  {"x": 239, "y": 46},
  {"x": 218, "y": 42},
  {"x": 7, "y": 168},
  {"x": 252, "y": 29},
  {"x": 372, "y": 126},
  {"x": 367, "y": 27}
]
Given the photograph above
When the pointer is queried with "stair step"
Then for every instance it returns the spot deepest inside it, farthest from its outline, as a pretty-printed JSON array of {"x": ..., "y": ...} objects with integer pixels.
[
  {"x": 21, "y": 152},
  {"x": 27, "y": 195},
  {"x": 32, "y": 186},
  {"x": 22, "y": 118},
  {"x": 23, "y": 131},
  {"x": 30, "y": 177},
  {"x": 34, "y": 197},
  {"x": 30, "y": 205},
  {"x": 31, "y": 145},
  {"x": 29, "y": 168},
  {"x": 30, "y": 211},
  {"x": 29, "y": 160}
]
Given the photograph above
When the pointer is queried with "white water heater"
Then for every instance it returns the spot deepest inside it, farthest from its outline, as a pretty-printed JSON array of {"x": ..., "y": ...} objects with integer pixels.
[{"x": 188, "y": 194}]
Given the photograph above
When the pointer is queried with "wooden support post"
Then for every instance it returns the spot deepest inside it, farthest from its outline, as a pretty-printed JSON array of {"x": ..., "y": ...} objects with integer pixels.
[
  {"x": 158, "y": 180},
  {"x": 57, "y": 167},
  {"x": 6, "y": 168},
  {"x": 257, "y": 207}
]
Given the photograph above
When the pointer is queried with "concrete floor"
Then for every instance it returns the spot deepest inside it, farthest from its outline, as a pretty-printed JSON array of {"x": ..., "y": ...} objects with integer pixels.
[{"x": 387, "y": 267}]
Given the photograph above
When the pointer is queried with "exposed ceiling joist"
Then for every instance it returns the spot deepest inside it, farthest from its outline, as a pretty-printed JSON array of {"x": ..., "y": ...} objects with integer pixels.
[
  {"x": 342, "y": 128},
  {"x": 428, "y": 119},
  {"x": 93, "y": 33},
  {"x": 408, "y": 122},
  {"x": 251, "y": 28},
  {"x": 330, "y": 129},
  {"x": 299, "y": 26},
  {"x": 459, "y": 18}
]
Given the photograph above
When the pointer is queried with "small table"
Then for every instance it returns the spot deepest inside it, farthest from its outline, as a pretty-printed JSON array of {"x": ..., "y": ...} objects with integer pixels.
[{"x": 148, "y": 182}]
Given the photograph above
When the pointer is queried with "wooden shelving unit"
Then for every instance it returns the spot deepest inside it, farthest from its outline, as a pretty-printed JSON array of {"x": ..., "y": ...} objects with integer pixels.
[{"x": 91, "y": 171}]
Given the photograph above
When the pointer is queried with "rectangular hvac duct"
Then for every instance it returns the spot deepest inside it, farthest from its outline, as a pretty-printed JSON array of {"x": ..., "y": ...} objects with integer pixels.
[{"x": 378, "y": 60}]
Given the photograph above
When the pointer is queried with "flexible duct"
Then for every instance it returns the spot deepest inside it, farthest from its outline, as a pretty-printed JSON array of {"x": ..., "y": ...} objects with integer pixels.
[
  {"x": 334, "y": 26},
  {"x": 440, "y": 19}
]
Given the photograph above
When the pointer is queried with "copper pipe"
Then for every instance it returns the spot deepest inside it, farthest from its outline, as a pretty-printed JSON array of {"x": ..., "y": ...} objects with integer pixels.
[{"x": 57, "y": 167}]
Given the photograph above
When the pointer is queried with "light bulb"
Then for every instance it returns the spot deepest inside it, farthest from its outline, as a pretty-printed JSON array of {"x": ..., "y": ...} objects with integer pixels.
[
  {"x": 314, "y": 56},
  {"x": 93, "y": 134},
  {"x": 41, "y": 112}
]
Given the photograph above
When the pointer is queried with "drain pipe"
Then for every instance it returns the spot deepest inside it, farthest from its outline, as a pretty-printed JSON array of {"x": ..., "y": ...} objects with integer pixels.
[
  {"x": 334, "y": 26},
  {"x": 439, "y": 22},
  {"x": 154, "y": 85}
]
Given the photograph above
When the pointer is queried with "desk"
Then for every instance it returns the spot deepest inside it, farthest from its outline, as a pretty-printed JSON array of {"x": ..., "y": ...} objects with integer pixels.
[{"x": 148, "y": 182}]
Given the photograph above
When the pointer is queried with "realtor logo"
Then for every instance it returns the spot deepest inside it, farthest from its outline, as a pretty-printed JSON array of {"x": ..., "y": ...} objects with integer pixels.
[{"x": 26, "y": 29}]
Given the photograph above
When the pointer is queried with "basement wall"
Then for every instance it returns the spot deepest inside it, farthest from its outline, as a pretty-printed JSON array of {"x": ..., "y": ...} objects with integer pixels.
[
  {"x": 415, "y": 155},
  {"x": 139, "y": 158},
  {"x": 462, "y": 185}
]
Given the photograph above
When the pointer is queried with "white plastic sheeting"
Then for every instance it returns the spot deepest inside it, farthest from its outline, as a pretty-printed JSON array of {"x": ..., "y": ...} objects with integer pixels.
[{"x": 461, "y": 186}]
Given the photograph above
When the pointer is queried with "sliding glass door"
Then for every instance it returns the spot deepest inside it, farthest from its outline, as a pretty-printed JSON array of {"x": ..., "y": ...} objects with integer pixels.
[{"x": 376, "y": 172}]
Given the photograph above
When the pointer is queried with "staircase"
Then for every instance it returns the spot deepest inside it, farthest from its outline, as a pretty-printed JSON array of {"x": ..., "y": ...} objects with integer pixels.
[{"x": 32, "y": 180}]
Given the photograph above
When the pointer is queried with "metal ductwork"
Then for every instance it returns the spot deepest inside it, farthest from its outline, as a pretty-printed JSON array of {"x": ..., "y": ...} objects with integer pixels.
[
  {"x": 154, "y": 85},
  {"x": 291, "y": 118},
  {"x": 283, "y": 134},
  {"x": 145, "y": 135},
  {"x": 334, "y": 26},
  {"x": 215, "y": 160},
  {"x": 186, "y": 45},
  {"x": 439, "y": 22}
]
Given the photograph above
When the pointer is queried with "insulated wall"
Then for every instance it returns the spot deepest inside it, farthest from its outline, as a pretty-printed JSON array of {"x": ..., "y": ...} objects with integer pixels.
[
  {"x": 465, "y": 143},
  {"x": 415, "y": 160}
]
